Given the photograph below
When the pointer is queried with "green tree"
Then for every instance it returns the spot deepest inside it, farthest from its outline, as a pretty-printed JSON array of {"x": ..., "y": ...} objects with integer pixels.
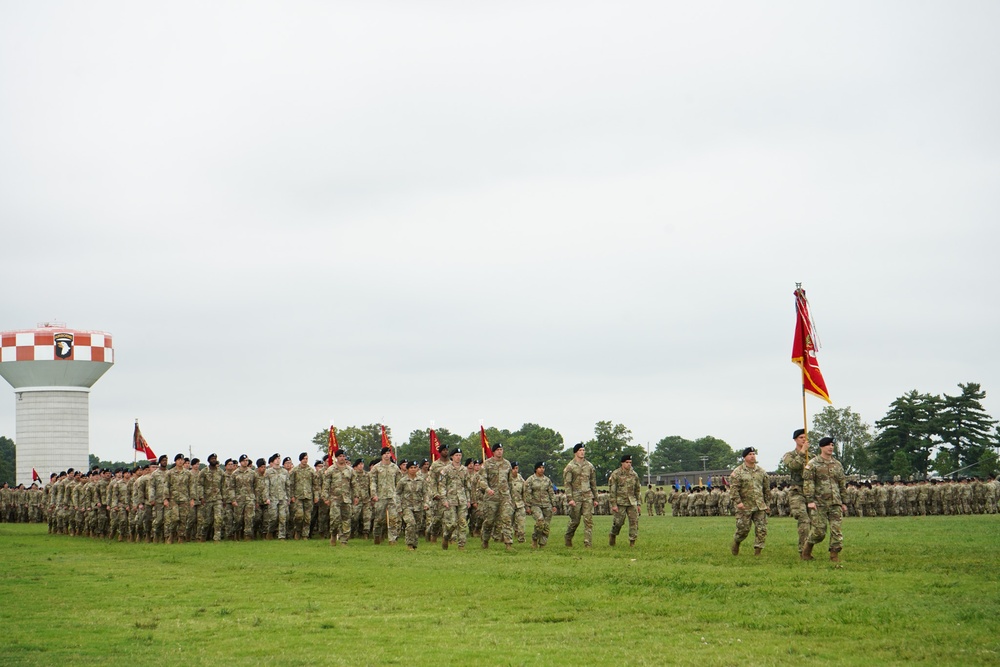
[
  {"x": 674, "y": 454},
  {"x": 97, "y": 462},
  {"x": 8, "y": 461},
  {"x": 531, "y": 444},
  {"x": 852, "y": 437},
  {"x": 965, "y": 427},
  {"x": 359, "y": 441},
  {"x": 900, "y": 465},
  {"x": 418, "y": 447},
  {"x": 606, "y": 448},
  {"x": 909, "y": 426}
]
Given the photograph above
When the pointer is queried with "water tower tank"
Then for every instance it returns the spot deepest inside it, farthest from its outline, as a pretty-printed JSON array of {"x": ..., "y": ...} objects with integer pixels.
[{"x": 52, "y": 369}]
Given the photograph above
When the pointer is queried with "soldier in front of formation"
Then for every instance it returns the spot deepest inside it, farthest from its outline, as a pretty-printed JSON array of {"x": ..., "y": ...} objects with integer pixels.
[{"x": 624, "y": 490}]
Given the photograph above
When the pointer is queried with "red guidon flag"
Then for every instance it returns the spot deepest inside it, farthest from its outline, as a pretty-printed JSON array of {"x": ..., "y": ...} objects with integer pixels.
[
  {"x": 435, "y": 445},
  {"x": 34, "y": 476},
  {"x": 139, "y": 443},
  {"x": 386, "y": 443},
  {"x": 804, "y": 349},
  {"x": 332, "y": 445},
  {"x": 487, "y": 452}
]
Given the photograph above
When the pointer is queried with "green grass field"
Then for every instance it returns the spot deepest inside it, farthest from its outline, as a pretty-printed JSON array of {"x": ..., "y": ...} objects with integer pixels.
[{"x": 911, "y": 590}]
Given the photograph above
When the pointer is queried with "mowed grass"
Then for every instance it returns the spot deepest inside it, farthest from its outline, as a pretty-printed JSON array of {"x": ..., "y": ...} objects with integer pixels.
[{"x": 911, "y": 590}]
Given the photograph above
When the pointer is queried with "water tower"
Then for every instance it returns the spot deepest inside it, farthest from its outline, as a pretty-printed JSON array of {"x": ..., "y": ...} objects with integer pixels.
[{"x": 52, "y": 369}]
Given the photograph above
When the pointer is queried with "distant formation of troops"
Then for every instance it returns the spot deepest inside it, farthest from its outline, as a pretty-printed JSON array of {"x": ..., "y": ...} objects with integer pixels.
[{"x": 446, "y": 500}]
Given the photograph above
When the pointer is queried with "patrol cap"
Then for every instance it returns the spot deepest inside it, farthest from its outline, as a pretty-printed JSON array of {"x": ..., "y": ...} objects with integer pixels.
[
  {"x": 823, "y": 442},
  {"x": 748, "y": 451},
  {"x": 578, "y": 446},
  {"x": 797, "y": 432},
  {"x": 626, "y": 457}
]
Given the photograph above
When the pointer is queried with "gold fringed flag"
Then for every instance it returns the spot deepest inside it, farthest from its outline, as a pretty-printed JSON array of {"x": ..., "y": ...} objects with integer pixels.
[
  {"x": 804, "y": 349},
  {"x": 386, "y": 443}
]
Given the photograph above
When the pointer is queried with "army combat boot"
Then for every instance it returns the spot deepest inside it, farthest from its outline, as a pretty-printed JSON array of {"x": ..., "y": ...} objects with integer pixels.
[
  {"x": 735, "y": 548},
  {"x": 569, "y": 541},
  {"x": 807, "y": 551},
  {"x": 835, "y": 556},
  {"x": 611, "y": 539}
]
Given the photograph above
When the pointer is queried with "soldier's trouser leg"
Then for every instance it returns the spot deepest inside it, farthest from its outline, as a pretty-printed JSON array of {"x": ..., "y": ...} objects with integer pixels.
[
  {"x": 386, "y": 519},
  {"x": 340, "y": 521},
  {"x": 412, "y": 527},
  {"x": 191, "y": 529},
  {"x": 820, "y": 521},
  {"x": 517, "y": 523},
  {"x": 744, "y": 520},
  {"x": 488, "y": 508},
  {"x": 574, "y": 520},
  {"x": 214, "y": 518},
  {"x": 157, "y": 522},
  {"x": 543, "y": 519},
  {"x": 799, "y": 510},
  {"x": 586, "y": 509},
  {"x": 171, "y": 520}
]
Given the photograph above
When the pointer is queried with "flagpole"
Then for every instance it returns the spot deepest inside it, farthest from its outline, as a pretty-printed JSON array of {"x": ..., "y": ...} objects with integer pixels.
[{"x": 805, "y": 417}]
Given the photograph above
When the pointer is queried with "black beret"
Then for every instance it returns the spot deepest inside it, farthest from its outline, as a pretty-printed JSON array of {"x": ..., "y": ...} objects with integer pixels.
[
  {"x": 513, "y": 464},
  {"x": 457, "y": 450},
  {"x": 540, "y": 464},
  {"x": 823, "y": 442},
  {"x": 797, "y": 432},
  {"x": 626, "y": 457},
  {"x": 284, "y": 460},
  {"x": 341, "y": 452},
  {"x": 578, "y": 446},
  {"x": 468, "y": 461},
  {"x": 260, "y": 462},
  {"x": 497, "y": 446},
  {"x": 303, "y": 455},
  {"x": 358, "y": 462},
  {"x": 385, "y": 450},
  {"x": 244, "y": 457},
  {"x": 749, "y": 450}
]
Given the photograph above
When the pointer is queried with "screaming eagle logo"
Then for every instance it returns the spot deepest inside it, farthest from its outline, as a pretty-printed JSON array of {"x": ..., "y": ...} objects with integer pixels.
[{"x": 64, "y": 345}]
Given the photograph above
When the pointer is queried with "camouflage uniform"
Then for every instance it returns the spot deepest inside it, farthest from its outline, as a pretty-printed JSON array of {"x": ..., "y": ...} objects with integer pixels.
[
  {"x": 410, "y": 492},
  {"x": 243, "y": 501},
  {"x": 361, "y": 514},
  {"x": 277, "y": 482},
  {"x": 179, "y": 495},
  {"x": 339, "y": 496},
  {"x": 825, "y": 486},
  {"x": 435, "y": 515},
  {"x": 301, "y": 482},
  {"x": 452, "y": 485},
  {"x": 539, "y": 498},
  {"x": 580, "y": 482},
  {"x": 750, "y": 487},
  {"x": 517, "y": 498},
  {"x": 383, "y": 478},
  {"x": 156, "y": 495},
  {"x": 496, "y": 505},
  {"x": 624, "y": 490},
  {"x": 212, "y": 482},
  {"x": 796, "y": 463}
]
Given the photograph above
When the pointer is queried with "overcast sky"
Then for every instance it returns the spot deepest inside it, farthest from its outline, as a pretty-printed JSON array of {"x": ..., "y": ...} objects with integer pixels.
[{"x": 556, "y": 212}]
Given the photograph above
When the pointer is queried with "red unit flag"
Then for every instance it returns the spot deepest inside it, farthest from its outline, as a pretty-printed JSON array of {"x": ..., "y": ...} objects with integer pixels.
[
  {"x": 435, "y": 445},
  {"x": 386, "y": 443},
  {"x": 804, "y": 349},
  {"x": 139, "y": 443},
  {"x": 332, "y": 445},
  {"x": 487, "y": 452}
]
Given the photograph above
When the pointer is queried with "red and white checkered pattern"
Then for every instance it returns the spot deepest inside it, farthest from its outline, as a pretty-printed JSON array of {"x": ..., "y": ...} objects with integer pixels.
[{"x": 39, "y": 345}]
